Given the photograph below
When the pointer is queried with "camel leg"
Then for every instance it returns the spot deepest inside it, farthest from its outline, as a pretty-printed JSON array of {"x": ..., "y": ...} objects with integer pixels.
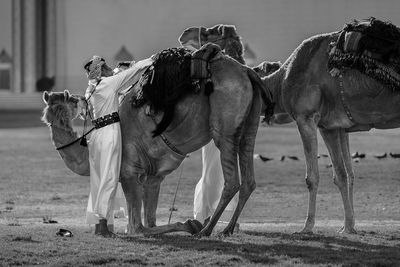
[
  {"x": 344, "y": 139},
  {"x": 189, "y": 226},
  {"x": 134, "y": 196},
  {"x": 333, "y": 143},
  {"x": 308, "y": 131},
  {"x": 133, "y": 191},
  {"x": 150, "y": 200},
  {"x": 246, "y": 151},
  {"x": 229, "y": 164},
  {"x": 247, "y": 186}
]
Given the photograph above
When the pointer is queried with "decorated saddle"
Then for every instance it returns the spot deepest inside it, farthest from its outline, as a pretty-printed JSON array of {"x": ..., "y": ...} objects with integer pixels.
[
  {"x": 370, "y": 46},
  {"x": 175, "y": 73}
]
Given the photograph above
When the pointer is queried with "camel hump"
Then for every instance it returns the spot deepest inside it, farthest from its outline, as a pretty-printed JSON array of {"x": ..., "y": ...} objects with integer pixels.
[{"x": 199, "y": 68}]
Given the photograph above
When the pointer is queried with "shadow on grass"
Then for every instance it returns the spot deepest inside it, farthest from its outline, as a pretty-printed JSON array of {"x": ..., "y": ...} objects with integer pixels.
[
  {"x": 249, "y": 251},
  {"x": 321, "y": 249},
  {"x": 308, "y": 249}
]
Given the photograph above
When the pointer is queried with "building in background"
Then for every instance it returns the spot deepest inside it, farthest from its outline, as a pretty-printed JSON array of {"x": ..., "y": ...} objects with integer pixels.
[
  {"x": 49, "y": 40},
  {"x": 123, "y": 55},
  {"x": 5, "y": 70}
]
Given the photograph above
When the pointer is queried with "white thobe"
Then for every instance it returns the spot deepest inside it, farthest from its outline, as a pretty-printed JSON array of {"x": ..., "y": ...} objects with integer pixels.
[
  {"x": 105, "y": 147},
  {"x": 209, "y": 189}
]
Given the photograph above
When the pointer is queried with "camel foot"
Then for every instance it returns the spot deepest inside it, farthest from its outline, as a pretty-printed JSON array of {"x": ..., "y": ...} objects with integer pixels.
[
  {"x": 229, "y": 230},
  {"x": 205, "y": 232},
  {"x": 226, "y": 233},
  {"x": 194, "y": 225},
  {"x": 347, "y": 230},
  {"x": 305, "y": 231}
]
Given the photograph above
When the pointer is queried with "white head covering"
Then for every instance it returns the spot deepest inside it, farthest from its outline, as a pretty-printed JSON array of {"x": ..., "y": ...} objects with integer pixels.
[{"x": 94, "y": 69}]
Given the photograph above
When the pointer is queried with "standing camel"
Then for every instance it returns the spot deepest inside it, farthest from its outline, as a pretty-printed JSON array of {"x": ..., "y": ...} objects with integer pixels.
[
  {"x": 207, "y": 192},
  {"x": 229, "y": 116},
  {"x": 304, "y": 88}
]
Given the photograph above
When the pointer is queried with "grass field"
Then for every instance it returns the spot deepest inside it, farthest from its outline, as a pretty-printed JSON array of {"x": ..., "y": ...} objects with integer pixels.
[{"x": 34, "y": 183}]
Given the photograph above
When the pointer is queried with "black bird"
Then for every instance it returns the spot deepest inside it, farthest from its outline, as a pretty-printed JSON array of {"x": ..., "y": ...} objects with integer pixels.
[
  {"x": 394, "y": 155},
  {"x": 263, "y": 158},
  {"x": 322, "y": 156},
  {"x": 358, "y": 155},
  {"x": 293, "y": 157},
  {"x": 381, "y": 156},
  {"x": 282, "y": 158}
]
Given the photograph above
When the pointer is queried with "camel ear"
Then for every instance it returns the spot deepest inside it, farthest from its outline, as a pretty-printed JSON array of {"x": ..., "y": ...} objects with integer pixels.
[
  {"x": 45, "y": 97},
  {"x": 265, "y": 65},
  {"x": 66, "y": 95},
  {"x": 220, "y": 28},
  {"x": 184, "y": 33}
]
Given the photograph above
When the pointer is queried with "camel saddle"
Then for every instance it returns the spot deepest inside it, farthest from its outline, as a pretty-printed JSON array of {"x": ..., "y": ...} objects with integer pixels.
[
  {"x": 372, "y": 47},
  {"x": 175, "y": 73}
]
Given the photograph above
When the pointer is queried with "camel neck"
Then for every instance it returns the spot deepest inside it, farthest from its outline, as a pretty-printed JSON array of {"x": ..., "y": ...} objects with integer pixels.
[
  {"x": 75, "y": 156},
  {"x": 274, "y": 83},
  {"x": 62, "y": 135}
]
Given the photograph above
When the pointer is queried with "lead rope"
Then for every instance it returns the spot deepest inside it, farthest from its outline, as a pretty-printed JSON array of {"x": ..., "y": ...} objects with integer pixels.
[
  {"x": 83, "y": 141},
  {"x": 176, "y": 191}
]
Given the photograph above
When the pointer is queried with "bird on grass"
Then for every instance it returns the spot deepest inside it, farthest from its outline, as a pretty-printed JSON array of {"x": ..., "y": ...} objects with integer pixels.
[
  {"x": 380, "y": 156},
  {"x": 263, "y": 158},
  {"x": 394, "y": 155},
  {"x": 293, "y": 157},
  {"x": 358, "y": 155}
]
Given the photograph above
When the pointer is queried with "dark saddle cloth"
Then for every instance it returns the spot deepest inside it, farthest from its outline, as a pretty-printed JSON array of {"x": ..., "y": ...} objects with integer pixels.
[
  {"x": 168, "y": 79},
  {"x": 372, "y": 47},
  {"x": 174, "y": 74}
]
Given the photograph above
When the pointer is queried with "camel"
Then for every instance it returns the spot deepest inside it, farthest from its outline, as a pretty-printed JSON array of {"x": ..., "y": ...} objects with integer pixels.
[
  {"x": 61, "y": 109},
  {"x": 336, "y": 105},
  {"x": 229, "y": 116}
]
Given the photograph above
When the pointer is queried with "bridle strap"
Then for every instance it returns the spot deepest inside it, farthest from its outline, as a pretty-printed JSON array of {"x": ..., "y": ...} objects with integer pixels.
[{"x": 76, "y": 140}]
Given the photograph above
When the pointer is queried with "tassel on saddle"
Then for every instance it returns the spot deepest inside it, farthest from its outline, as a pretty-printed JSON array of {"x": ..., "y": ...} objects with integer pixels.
[{"x": 200, "y": 67}]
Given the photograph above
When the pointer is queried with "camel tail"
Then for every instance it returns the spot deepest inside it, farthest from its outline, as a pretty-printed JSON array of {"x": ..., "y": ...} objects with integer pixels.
[{"x": 266, "y": 95}]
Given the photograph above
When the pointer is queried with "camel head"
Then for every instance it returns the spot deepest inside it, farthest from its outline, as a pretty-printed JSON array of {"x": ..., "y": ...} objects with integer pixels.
[
  {"x": 266, "y": 68},
  {"x": 225, "y": 36},
  {"x": 61, "y": 108}
]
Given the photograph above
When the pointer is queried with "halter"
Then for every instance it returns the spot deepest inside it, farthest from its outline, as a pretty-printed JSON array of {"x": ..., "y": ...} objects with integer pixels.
[{"x": 83, "y": 137}]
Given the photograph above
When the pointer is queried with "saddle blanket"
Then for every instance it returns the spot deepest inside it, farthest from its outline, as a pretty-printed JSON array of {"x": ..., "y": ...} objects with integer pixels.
[{"x": 371, "y": 47}]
